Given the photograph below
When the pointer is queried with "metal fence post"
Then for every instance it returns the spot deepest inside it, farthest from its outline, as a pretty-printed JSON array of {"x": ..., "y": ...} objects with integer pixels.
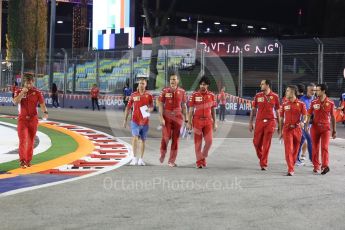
[
  {"x": 202, "y": 57},
  {"x": 1, "y": 75},
  {"x": 240, "y": 74},
  {"x": 65, "y": 78},
  {"x": 36, "y": 65},
  {"x": 131, "y": 81},
  {"x": 166, "y": 66},
  {"x": 74, "y": 75},
  {"x": 51, "y": 41},
  {"x": 22, "y": 68},
  {"x": 280, "y": 69},
  {"x": 97, "y": 69},
  {"x": 320, "y": 53}
]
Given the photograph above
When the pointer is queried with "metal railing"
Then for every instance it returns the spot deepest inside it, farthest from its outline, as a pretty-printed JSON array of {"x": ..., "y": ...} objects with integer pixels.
[{"x": 296, "y": 61}]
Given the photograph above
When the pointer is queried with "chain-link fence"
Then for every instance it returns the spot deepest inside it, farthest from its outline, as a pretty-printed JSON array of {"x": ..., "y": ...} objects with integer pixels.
[
  {"x": 294, "y": 61},
  {"x": 297, "y": 61}
]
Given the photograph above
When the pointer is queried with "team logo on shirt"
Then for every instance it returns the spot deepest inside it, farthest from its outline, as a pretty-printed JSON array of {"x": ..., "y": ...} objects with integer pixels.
[
  {"x": 287, "y": 107},
  {"x": 316, "y": 106},
  {"x": 271, "y": 97},
  {"x": 168, "y": 95},
  {"x": 260, "y": 99},
  {"x": 33, "y": 93},
  {"x": 327, "y": 104},
  {"x": 297, "y": 104},
  {"x": 198, "y": 99},
  {"x": 137, "y": 98}
]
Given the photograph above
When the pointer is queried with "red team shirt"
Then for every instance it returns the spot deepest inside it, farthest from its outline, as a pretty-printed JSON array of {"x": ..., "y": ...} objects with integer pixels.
[
  {"x": 14, "y": 88},
  {"x": 321, "y": 110},
  {"x": 28, "y": 104},
  {"x": 222, "y": 98},
  {"x": 94, "y": 92},
  {"x": 203, "y": 102},
  {"x": 172, "y": 99},
  {"x": 138, "y": 100},
  {"x": 292, "y": 112},
  {"x": 266, "y": 105}
]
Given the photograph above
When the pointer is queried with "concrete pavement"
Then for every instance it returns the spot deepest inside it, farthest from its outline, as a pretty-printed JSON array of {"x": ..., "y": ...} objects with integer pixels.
[{"x": 232, "y": 193}]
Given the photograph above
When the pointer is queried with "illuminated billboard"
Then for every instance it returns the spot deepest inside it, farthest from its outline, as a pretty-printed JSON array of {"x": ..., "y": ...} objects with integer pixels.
[{"x": 113, "y": 24}]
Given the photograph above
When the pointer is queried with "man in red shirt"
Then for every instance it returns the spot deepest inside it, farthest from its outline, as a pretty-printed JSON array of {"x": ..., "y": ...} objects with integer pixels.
[
  {"x": 339, "y": 112},
  {"x": 28, "y": 98},
  {"x": 202, "y": 111},
  {"x": 94, "y": 96},
  {"x": 222, "y": 103},
  {"x": 290, "y": 115},
  {"x": 266, "y": 109},
  {"x": 323, "y": 110},
  {"x": 14, "y": 88},
  {"x": 142, "y": 103},
  {"x": 172, "y": 111}
]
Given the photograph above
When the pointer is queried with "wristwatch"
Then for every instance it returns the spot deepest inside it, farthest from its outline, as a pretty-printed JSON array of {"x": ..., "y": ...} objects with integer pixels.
[
  {"x": 186, "y": 121},
  {"x": 46, "y": 112}
]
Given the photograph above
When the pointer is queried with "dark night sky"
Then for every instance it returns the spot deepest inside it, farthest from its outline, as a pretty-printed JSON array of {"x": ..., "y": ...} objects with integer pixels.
[
  {"x": 283, "y": 12},
  {"x": 276, "y": 11}
]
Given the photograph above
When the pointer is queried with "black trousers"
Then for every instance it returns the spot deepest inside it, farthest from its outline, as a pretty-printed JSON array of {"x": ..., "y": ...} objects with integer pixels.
[
  {"x": 55, "y": 101},
  {"x": 94, "y": 101},
  {"x": 125, "y": 104},
  {"x": 221, "y": 112}
]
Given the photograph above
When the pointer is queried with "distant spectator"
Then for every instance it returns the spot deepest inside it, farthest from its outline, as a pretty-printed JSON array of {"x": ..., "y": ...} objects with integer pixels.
[
  {"x": 14, "y": 88},
  {"x": 222, "y": 103},
  {"x": 127, "y": 91},
  {"x": 341, "y": 99},
  {"x": 301, "y": 90},
  {"x": 55, "y": 96},
  {"x": 94, "y": 96}
]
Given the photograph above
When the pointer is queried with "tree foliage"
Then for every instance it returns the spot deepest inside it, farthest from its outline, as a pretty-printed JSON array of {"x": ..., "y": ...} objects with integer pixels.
[{"x": 27, "y": 31}]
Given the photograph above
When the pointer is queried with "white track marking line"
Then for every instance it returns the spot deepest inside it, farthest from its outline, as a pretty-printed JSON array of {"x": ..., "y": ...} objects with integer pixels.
[
  {"x": 44, "y": 144},
  {"x": 120, "y": 163}
]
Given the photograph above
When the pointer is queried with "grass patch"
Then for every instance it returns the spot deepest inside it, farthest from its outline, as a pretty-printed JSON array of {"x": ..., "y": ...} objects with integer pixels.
[{"x": 62, "y": 144}]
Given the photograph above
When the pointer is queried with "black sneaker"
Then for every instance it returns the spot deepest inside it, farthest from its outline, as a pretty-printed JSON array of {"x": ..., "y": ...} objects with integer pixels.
[
  {"x": 325, "y": 170},
  {"x": 289, "y": 174},
  {"x": 263, "y": 169}
]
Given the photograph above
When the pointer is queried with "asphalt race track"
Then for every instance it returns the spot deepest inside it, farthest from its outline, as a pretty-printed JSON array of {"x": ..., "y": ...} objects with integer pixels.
[{"x": 231, "y": 193}]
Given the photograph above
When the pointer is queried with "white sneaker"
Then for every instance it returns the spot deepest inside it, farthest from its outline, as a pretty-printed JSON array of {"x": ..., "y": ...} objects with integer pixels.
[
  {"x": 141, "y": 162},
  {"x": 299, "y": 164},
  {"x": 302, "y": 158},
  {"x": 134, "y": 161}
]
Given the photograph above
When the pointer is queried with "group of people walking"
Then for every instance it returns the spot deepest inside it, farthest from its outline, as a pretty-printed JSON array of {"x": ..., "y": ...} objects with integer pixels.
[{"x": 298, "y": 118}]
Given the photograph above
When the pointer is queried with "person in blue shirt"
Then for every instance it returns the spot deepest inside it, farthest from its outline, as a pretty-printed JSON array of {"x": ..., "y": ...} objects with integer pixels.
[
  {"x": 306, "y": 99},
  {"x": 127, "y": 91},
  {"x": 341, "y": 103},
  {"x": 342, "y": 98}
]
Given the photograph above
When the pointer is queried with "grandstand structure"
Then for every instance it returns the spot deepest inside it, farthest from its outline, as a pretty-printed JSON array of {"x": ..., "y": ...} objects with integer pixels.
[{"x": 110, "y": 74}]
